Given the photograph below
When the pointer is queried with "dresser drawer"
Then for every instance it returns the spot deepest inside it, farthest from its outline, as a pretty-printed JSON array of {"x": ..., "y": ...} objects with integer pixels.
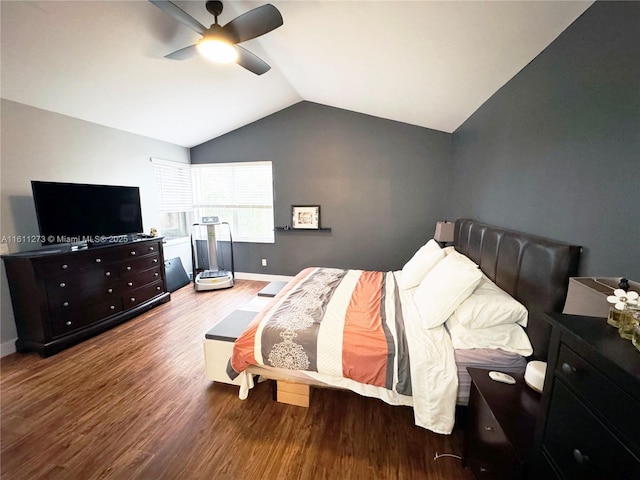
[
  {"x": 68, "y": 265},
  {"x": 138, "y": 250},
  {"x": 65, "y": 287},
  {"x": 600, "y": 394},
  {"x": 65, "y": 306},
  {"x": 140, "y": 295},
  {"x": 99, "y": 257},
  {"x": 135, "y": 265},
  {"x": 65, "y": 322},
  {"x": 62, "y": 324},
  {"x": 140, "y": 279},
  {"x": 580, "y": 446},
  {"x": 101, "y": 274}
]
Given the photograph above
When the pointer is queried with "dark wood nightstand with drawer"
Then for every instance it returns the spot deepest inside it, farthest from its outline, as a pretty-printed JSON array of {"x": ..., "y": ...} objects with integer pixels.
[
  {"x": 500, "y": 429},
  {"x": 590, "y": 425}
]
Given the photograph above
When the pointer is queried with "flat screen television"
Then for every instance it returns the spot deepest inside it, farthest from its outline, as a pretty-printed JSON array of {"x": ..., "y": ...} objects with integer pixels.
[{"x": 83, "y": 213}]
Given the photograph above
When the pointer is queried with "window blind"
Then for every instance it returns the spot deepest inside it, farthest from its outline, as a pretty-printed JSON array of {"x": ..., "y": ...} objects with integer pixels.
[
  {"x": 240, "y": 193},
  {"x": 173, "y": 180}
]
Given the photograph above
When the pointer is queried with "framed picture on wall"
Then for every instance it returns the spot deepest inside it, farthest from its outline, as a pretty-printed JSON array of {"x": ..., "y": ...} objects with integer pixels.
[{"x": 305, "y": 217}]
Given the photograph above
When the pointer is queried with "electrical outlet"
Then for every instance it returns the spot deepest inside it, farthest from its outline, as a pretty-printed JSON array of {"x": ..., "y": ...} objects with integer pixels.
[{"x": 264, "y": 262}]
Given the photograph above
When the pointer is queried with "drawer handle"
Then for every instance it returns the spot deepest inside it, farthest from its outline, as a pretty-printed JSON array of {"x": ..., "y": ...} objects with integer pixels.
[
  {"x": 133, "y": 299},
  {"x": 68, "y": 323},
  {"x": 107, "y": 274},
  {"x": 98, "y": 260},
  {"x": 62, "y": 284},
  {"x": 155, "y": 260},
  {"x": 133, "y": 253},
  {"x": 128, "y": 267},
  {"x": 65, "y": 304},
  {"x": 488, "y": 428},
  {"x": 151, "y": 249},
  {"x": 158, "y": 288},
  {"x": 156, "y": 274},
  {"x": 65, "y": 266},
  {"x": 567, "y": 369},
  {"x": 130, "y": 284},
  {"x": 112, "y": 307},
  {"x": 109, "y": 290},
  {"x": 580, "y": 458}
]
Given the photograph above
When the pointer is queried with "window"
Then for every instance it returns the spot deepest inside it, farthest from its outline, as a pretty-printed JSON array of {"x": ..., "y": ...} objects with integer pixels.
[
  {"x": 175, "y": 197},
  {"x": 239, "y": 193}
]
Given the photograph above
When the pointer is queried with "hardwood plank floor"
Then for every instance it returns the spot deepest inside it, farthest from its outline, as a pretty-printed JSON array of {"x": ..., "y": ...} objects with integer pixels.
[{"x": 133, "y": 403}]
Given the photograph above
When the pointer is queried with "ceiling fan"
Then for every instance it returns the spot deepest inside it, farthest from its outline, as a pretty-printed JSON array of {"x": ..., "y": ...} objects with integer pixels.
[{"x": 219, "y": 43}]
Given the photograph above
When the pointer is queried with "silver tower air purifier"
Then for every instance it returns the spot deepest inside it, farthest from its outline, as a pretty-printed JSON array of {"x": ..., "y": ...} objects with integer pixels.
[{"x": 207, "y": 275}]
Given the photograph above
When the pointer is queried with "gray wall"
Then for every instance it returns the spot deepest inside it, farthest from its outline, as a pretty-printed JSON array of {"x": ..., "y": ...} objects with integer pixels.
[
  {"x": 556, "y": 151},
  {"x": 381, "y": 186},
  {"x": 40, "y": 145}
]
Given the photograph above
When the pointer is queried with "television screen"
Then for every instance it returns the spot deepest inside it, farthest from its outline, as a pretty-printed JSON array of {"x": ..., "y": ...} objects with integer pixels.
[{"x": 78, "y": 213}]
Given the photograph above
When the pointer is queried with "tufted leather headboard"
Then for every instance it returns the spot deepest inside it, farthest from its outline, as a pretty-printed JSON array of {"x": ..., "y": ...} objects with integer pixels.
[{"x": 534, "y": 270}]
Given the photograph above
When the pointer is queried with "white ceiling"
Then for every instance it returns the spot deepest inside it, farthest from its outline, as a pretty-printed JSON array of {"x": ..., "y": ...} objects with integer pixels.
[{"x": 427, "y": 63}]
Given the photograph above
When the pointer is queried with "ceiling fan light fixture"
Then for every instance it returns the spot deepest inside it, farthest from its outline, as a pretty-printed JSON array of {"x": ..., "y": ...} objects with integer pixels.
[{"x": 217, "y": 50}]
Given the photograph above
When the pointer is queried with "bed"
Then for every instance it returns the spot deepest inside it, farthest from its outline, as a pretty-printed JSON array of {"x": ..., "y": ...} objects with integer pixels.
[{"x": 406, "y": 337}]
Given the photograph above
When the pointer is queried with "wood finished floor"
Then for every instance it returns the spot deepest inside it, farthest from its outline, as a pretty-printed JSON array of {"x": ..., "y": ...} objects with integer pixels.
[{"x": 133, "y": 403}]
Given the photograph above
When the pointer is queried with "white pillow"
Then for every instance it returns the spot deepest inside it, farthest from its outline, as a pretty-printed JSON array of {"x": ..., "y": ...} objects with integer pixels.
[
  {"x": 509, "y": 337},
  {"x": 444, "y": 288},
  {"x": 420, "y": 264},
  {"x": 452, "y": 251},
  {"x": 489, "y": 305}
]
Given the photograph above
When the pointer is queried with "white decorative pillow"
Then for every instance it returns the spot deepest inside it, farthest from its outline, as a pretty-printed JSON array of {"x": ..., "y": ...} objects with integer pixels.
[
  {"x": 420, "y": 264},
  {"x": 444, "y": 288},
  {"x": 489, "y": 305}
]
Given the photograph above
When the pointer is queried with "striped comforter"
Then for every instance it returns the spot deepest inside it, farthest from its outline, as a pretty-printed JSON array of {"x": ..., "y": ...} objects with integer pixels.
[{"x": 350, "y": 326}]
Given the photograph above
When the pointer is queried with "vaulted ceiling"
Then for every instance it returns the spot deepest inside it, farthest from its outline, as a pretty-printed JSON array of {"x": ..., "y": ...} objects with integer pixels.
[{"x": 427, "y": 63}]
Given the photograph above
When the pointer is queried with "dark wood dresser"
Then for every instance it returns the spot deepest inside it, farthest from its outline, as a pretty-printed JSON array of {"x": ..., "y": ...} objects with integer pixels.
[
  {"x": 590, "y": 424},
  {"x": 61, "y": 298}
]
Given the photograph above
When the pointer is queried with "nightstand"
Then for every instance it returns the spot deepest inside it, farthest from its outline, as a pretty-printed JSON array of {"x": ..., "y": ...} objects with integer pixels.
[{"x": 500, "y": 429}]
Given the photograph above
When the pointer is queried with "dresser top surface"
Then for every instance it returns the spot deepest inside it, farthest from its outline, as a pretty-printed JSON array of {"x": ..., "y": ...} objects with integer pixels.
[
  {"x": 601, "y": 343},
  {"x": 50, "y": 252}
]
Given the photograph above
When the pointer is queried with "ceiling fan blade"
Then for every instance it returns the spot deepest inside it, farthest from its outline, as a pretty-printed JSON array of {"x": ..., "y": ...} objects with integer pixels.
[
  {"x": 180, "y": 15},
  {"x": 254, "y": 23},
  {"x": 251, "y": 62},
  {"x": 183, "y": 54}
]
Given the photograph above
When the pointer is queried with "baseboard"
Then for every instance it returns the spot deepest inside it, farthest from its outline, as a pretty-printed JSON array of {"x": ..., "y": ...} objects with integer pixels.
[
  {"x": 262, "y": 277},
  {"x": 8, "y": 348}
]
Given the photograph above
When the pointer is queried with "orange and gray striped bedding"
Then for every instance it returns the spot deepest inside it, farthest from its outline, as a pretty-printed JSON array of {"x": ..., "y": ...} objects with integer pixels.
[
  {"x": 343, "y": 323},
  {"x": 354, "y": 329}
]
